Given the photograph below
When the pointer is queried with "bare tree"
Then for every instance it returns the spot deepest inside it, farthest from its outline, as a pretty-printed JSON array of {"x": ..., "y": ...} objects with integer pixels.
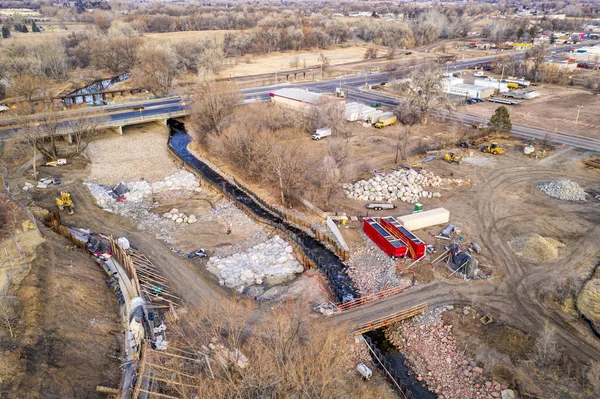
[
  {"x": 157, "y": 69},
  {"x": 545, "y": 351},
  {"x": 538, "y": 55},
  {"x": 212, "y": 109},
  {"x": 287, "y": 168},
  {"x": 285, "y": 353},
  {"x": 402, "y": 137},
  {"x": 329, "y": 113},
  {"x": 84, "y": 130},
  {"x": 325, "y": 61},
  {"x": 425, "y": 93}
]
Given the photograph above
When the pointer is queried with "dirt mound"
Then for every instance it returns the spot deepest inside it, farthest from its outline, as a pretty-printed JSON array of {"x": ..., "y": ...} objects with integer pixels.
[
  {"x": 588, "y": 299},
  {"x": 536, "y": 248}
]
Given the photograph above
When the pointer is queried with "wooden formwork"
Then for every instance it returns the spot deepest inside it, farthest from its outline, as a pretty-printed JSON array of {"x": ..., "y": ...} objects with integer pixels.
[{"x": 391, "y": 319}]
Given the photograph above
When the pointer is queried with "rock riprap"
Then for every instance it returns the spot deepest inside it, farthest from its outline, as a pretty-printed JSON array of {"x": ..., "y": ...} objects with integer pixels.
[
  {"x": 565, "y": 190},
  {"x": 180, "y": 217},
  {"x": 271, "y": 262},
  {"x": 181, "y": 180},
  {"x": 399, "y": 185}
]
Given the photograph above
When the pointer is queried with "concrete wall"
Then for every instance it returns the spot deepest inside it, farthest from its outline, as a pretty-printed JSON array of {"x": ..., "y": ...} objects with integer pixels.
[{"x": 289, "y": 103}]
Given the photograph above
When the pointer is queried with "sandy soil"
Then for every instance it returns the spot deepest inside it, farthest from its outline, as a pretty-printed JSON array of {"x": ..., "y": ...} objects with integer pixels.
[
  {"x": 140, "y": 153},
  {"x": 556, "y": 108},
  {"x": 252, "y": 65}
]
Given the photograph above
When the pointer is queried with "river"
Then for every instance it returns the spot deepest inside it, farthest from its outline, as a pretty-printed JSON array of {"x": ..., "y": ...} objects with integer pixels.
[
  {"x": 95, "y": 87},
  {"x": 339, "y": 282}
]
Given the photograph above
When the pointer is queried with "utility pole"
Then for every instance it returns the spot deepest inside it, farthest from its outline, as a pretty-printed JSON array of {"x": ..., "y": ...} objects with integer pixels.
[
  {"x": 501, "y": 77},
  {"x": 578, "y": 109}
]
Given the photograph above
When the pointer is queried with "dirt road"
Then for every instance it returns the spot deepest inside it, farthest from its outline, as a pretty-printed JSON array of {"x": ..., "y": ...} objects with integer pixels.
[{"x": 505, "y": 201}]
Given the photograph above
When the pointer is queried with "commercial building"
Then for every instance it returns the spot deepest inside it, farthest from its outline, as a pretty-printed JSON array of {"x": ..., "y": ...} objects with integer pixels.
[
  {"x": 458, "y": 87},
  {"x": 502, "y": 87}
]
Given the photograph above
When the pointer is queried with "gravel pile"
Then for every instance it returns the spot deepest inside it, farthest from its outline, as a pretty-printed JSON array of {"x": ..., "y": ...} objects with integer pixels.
[
  {"x": 139, "y": 211},
  {"x": 271, "y": 262},
  {"x": 536, "y": 248},
  {"x": 438, "y": 361},
  {"x": 182, "y": 180},
  {"x": 370, "y": 269},
  {"x": 399, "y": 185},
  {"x": 565, "y": 190}
]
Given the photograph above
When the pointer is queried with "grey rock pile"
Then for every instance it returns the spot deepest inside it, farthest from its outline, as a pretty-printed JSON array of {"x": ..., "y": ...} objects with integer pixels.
[
  {"x": 181, "y": 180},
  {"x": 371, "y": 269},
  {"x": 271, "y": 262},
  {"x": 565, "y": 190},
  {"x": 399, "y": 185},
  {"x": 139, "y": 211}
]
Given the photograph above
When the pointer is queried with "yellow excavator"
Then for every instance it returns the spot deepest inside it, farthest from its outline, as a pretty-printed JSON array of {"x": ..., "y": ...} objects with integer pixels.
[
  {"x": 453, "y": 157},
  {"x": 63, "y": 201},
  {"x": 493, "y": 148}
]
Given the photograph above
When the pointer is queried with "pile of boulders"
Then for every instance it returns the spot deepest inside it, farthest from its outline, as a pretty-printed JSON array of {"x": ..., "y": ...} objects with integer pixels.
[
  {"x": 181, "y": 180},
  {"x": 180, "y": 217},
  {"x": 271, "y": 262},
  {"x": 438, "y": 360},
  {"x": 399, "y": 185},
  {"x": 565, "y": 190}
]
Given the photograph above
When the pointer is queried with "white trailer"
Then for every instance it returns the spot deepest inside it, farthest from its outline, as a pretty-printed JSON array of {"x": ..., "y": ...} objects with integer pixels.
[
  {"x": 383, "y": 115},
  {"x": 373, "y": 116}
]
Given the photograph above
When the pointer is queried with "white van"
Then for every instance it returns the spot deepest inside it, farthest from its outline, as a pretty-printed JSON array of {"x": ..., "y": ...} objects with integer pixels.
[
  {"x": 321, "y": 133},
  {"x": 479, "y": 74}
]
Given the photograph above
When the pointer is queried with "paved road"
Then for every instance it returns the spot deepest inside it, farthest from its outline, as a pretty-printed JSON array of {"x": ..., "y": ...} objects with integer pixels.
[{"x": 353, "y": 84}]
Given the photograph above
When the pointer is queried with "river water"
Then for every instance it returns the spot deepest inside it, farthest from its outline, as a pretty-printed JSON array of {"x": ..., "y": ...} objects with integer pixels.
[
  {"x": 95, "y": 87},
  {"x": 340, "y": 283}
]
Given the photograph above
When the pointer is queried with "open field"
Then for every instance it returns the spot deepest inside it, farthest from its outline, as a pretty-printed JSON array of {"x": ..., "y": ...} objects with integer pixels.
[
  {"x": 177, "y": 37},
  {"x": 56, "y": 32},
  {"x": 274, "y": 62},
  {"x": 556, "y": 108}
]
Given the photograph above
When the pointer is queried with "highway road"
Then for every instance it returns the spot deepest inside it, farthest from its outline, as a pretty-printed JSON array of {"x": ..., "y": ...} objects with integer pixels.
[{"x": 355, "y": 88}]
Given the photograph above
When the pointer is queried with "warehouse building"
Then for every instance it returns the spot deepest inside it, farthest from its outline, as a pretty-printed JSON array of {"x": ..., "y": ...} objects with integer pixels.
[
  {"x": 458, "y": 87},
  {"x": 502, "y": 87}
]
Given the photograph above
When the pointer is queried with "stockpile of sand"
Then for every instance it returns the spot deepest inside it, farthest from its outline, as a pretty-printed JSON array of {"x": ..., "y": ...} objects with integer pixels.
[{"x": 536, "y": 248}]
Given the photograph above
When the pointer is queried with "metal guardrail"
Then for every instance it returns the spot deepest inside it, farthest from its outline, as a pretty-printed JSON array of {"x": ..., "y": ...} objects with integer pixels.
[{"x": 391, "y": 319}]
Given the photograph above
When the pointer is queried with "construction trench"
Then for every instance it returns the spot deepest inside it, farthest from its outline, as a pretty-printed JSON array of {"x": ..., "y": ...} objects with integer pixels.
[{"x": 340, "y": 283}]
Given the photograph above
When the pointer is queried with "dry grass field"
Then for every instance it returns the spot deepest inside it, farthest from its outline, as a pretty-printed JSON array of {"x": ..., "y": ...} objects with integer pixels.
[
  {"x": 174, "y": 37},
  {"x": 274, "y": 62}
]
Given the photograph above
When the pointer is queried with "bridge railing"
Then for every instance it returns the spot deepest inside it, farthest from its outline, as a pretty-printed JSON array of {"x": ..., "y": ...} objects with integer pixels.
[{"x": 391, "y": 319}]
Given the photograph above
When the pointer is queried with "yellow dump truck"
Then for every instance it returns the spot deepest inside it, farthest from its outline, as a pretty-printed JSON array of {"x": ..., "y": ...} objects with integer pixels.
[{"x": 386, "y": 122}]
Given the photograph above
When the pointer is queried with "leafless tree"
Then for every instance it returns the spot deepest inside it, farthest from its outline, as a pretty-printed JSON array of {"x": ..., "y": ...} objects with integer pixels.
[
  {"x": 538, "y": 55},
  {"x": 287, "y": 167},
  {"x": 212, "y": 109},
  {"x": 403, "y": 133},
  {"x": 545, "y": 351},
  {"x": 286, "y": 353},
  {"x": 157, "y": 69},
  {"x": 324, "y": 61},
  {"x": 83, "y": 130},
  {"x": 425, "y": 93},
  {"x": 328, "y": 113}
]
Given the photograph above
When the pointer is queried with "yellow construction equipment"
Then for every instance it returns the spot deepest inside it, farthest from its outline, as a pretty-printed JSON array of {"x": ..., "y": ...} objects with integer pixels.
[
  {"x": 453, "y": 157},
  {"x": 493, "y": 149},
  {"x": 63, "y": 201}
]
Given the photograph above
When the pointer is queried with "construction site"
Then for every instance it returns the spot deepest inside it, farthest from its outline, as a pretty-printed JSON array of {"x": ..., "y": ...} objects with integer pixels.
[{"x": 303, "y": 220}]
